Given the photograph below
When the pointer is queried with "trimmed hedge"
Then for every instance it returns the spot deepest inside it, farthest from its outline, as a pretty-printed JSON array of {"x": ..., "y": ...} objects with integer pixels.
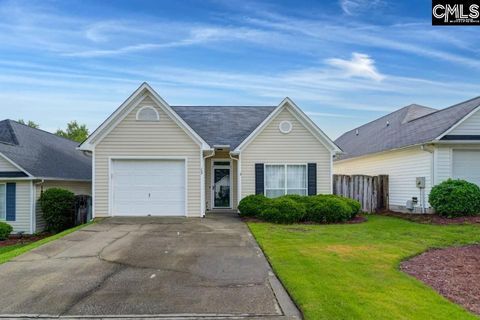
[
  {"x": 283, "y": 210},
  {"x": 5, "y": 230},
  {"x": 252, "y": 205},
  {"x": 296, "y": 208},
  {"x": 455, "y": 198},
  {"x": 58, "y": 209},
  {"x": 354, "y": 206},
  {"x": 326, "y": 209}
]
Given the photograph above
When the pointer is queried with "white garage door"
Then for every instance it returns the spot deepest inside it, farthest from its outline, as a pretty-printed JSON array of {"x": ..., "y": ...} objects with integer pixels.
[
  {"x": 148, "y": 187},
  {"x": 466, "y": 165}
]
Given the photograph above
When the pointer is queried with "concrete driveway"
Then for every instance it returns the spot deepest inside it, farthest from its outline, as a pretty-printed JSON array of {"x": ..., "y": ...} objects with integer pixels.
[{"x": 165, "y": 267}]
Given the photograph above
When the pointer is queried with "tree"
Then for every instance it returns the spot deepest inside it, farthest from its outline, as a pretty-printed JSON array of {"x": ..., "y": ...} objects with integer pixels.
[
  {"x": 29, "y": 123},
  {"x": 74, "y": 131}
]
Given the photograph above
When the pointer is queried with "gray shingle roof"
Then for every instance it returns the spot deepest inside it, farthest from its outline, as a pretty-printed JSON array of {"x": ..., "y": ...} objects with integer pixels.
[
  {"x": 43, "y": 154},
  {"x": 223, "y": 125},
  {"x": 410, "y": 125}
]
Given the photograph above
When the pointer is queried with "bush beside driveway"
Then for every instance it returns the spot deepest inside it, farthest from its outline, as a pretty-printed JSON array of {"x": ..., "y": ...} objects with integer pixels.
[{"x": 352, "y": 271}]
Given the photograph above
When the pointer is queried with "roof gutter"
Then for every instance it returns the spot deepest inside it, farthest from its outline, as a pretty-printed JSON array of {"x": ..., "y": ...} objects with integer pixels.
[
  {"x": 456, "y": 141},
  {"x": 385, "y": 151}
]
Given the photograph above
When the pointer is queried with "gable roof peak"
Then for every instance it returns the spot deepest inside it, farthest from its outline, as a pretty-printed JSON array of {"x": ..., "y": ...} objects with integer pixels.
[
  {"x": 7, "y": 133},
  {"x": 415, "y": 111}
]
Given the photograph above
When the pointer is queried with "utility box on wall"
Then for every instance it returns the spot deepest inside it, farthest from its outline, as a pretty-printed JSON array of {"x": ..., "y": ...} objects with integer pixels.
[{"x": 420, "y": 182}]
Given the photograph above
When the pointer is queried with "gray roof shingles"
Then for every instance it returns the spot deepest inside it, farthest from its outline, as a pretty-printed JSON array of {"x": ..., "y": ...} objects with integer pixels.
[
  {"x": 410, "y": 125},
  {"x": 223, "y": 125},
  {"x": 42, "y": 153}
]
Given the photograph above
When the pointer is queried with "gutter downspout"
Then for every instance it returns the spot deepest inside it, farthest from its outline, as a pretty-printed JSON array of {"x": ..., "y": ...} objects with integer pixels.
[{"x": 423, "y": 147}]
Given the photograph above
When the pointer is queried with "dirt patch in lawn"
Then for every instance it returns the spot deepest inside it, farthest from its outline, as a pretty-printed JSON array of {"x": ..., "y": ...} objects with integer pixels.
[
  {"x": 13, "y": 240},
  {"x": 453, "y": 272},
  {"x": 431, "y": 218}
]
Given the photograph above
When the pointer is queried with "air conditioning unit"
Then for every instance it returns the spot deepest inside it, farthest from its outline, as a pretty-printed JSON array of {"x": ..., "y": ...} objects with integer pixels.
[{"x": 411, "y": 203}]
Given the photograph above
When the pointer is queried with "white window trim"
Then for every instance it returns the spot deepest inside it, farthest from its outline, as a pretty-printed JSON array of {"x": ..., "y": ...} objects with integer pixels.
[
  {"x": 147, "y": 107},
  {"x": 212, "y": 178},
  {"x": 285, "y": 186},
  {"x": 5, "y": 205}
]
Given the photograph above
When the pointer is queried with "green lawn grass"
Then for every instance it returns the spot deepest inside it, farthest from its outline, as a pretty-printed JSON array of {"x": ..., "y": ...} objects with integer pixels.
[
  {"x": 10, "y": 252},
  {"x": 351, "y": 271}
]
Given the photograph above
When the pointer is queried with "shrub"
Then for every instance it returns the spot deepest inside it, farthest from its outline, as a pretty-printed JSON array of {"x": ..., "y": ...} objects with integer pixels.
[
  {"x": 252, "y": 205},
  {"x": 5, "y": 230},
  {"x": 455, "y": 198},
  {"x": 58, "y": 209},
  {"x": 354, "y": 205},
  {"x": 295, "y": 197},
  {"x": 294, "y": 208},
  {"x": 328, "y": 209},
  {"x": 283, "y": 210}
]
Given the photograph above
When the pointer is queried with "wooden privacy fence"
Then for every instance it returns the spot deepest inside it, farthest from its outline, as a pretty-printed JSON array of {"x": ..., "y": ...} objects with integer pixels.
[{"x": 370, "y": 191}]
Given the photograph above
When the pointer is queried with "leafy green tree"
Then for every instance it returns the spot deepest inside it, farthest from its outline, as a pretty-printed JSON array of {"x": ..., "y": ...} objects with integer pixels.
[
  {"x": 29, "y": 123},
  {"x": 76, "y": 132}
]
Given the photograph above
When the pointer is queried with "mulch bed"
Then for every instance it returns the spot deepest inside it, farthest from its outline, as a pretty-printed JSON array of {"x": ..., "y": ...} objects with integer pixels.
[
  {"x": 25, "y": 239},
  {"x": 453, "y": 272},
  {"x": 431, "y": 218}
]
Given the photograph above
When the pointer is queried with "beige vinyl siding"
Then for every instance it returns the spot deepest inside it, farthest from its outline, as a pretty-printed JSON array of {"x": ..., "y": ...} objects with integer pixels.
[
  {"x": 77, "y": 187},
  {"x": 146, "y": 139},
  {"x": 402, "y": 167},
  {"x": 6, "y": 166},
  {"x": 298, "y": 146},
  {"x": 471, "y": 126},
  {"x": 23, "y": 206},
  {"x": 208, "y": 178}
]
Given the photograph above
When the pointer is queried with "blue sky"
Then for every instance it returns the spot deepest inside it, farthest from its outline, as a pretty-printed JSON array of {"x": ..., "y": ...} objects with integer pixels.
[{"x": 343, "y": 62}]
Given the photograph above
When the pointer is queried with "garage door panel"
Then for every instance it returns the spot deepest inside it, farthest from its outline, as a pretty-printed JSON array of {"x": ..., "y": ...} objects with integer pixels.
[
  {"x": 148, "y": 187},
  {"x": 466, "y": 165}
]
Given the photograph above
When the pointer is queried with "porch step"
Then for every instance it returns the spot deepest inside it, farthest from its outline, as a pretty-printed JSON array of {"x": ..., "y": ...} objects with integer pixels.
[{"x": 222, "y": 211}]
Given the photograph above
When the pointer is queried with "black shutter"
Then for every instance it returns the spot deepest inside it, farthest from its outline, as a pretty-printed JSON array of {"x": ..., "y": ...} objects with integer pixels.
[
  {"x": 312, "y": 179},
  {"x": 11, "y": 201},
  {"x": 259, "y": 178}
]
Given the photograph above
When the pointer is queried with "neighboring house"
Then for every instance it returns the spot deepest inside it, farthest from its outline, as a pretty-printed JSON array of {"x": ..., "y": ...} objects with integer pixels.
[
  {"x": 150, "y": 158},
  {"x": 415, "y": 141},
  {"x": 33, "y": 160}
]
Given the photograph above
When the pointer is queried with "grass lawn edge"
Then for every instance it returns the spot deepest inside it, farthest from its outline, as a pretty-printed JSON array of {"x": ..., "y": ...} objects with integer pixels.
[
  {"x": 9, "y": 255},
  {"x": 275, "y": 272},
  {"x": 397, "y": 266}
]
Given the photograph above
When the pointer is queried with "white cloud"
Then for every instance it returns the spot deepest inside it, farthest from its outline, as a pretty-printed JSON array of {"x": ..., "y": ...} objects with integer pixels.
[
  {"x": 361, "y": 66},
  {"x": 354, "y": 7},
  {"x": 413, "y": 38}
]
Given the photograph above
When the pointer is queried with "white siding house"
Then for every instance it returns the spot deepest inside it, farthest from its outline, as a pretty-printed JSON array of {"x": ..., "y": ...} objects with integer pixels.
[
  {"x": 402, "y": 168},
  {"x": 412, "y": 142}
]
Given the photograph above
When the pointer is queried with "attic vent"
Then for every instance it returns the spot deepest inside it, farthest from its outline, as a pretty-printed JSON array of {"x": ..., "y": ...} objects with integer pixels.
[
  {"x": 285, "y": 127},
  {"x": 356, "y": 132},
  {"x": 388, "y": 123},
  {"x": 147, "y": 113}
]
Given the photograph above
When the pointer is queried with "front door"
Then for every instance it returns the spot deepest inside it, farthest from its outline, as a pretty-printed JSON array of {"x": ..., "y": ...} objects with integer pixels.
[{"x": 221, "y": 184}]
